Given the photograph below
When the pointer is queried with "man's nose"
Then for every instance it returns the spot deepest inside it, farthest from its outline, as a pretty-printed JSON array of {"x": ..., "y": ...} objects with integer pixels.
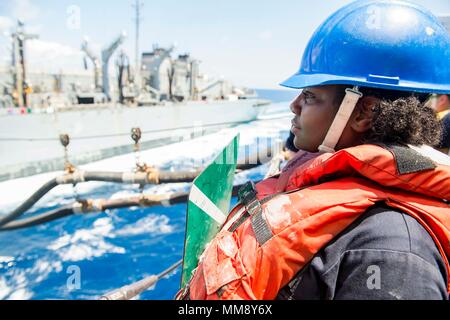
[{"x": 295, "y": 105}]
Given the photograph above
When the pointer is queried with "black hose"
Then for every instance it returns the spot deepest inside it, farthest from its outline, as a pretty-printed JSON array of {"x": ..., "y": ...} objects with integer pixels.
[
  {"x": 176, "y": 177},
  {"x": 67, "y": 210},
  {"x": 117, "y": 177},
  {"x": 103, "y": 176},
  {"x": 27, "y": 204},
  {"x": 175, "y": 198},
  {"x": 39, "y": 219},
  {"x": 88, "y": 176}
]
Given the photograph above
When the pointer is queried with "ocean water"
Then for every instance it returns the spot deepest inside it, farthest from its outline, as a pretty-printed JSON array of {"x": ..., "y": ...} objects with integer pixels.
[{"x": 115, "y": 248}]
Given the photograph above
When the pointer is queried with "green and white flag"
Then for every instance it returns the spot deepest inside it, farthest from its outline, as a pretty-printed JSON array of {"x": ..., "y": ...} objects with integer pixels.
[{"x": 208, "y": 206}]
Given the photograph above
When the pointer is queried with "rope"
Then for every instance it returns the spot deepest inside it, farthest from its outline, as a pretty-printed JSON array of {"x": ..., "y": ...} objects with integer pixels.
[
  {"x": 127, "y": 134},
  {"x": 130, "y": 291},
  {"x": 118, "y": 134}
]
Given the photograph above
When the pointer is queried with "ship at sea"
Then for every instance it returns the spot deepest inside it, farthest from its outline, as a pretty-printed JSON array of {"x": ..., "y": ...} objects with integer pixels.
[
  {"x": 46, "y": 119},
  {"x": 84, "y": 232}
]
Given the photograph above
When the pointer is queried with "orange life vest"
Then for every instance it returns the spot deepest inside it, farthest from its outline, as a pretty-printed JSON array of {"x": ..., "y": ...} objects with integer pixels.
[{"x": 268, "y": 240}]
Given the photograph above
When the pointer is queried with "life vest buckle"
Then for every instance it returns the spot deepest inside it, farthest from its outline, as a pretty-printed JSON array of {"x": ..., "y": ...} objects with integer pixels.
[
  {"x": 247, "y": 192},
  {"x": 247, "y": 195}
]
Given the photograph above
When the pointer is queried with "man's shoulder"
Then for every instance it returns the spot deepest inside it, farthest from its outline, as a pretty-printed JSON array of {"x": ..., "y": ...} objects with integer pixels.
[
  {"x": 385, "y": 228},
  {"x": 384, "y": 237},
  {"x": 380, "y": 230}
]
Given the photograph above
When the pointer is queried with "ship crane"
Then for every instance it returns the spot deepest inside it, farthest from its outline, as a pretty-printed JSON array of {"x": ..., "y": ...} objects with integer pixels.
[
  {"x": 95, "y": 61},
  {"x": 212, "y": 85},
  {"x": 106, "y": 56},
  {"x": 18, "y": 63},
  {"x": 123, "y": 66}
]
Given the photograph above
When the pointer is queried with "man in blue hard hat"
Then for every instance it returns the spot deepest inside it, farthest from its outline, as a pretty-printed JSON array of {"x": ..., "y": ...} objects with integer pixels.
[
  {"x": 361, "y": 211},
  {"x": 382, "y": 53}
]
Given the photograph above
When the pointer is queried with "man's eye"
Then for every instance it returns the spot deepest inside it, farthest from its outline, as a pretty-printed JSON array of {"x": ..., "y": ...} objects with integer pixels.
[{"x": 309, "y": 99}]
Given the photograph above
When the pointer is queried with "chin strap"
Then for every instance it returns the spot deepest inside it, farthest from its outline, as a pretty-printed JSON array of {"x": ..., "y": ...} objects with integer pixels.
[{"x": 351, "y": 98}]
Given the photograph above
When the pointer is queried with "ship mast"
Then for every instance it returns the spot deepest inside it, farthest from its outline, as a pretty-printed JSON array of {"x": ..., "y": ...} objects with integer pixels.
[
  {"x": 137, "y": 6},
  {"x": 106, "y": 55},
  {"x": 18, "y": 61},
  {"x": 95, "y": 61}
]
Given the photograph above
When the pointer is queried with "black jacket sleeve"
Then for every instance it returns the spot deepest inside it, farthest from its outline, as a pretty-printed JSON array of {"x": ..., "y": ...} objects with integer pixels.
[
  {"x": 385, "y": 254},
  {"x": 388, "y": 275}
]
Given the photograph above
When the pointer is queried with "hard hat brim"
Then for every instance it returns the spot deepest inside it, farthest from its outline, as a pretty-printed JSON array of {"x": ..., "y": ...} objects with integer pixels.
[{"x": 300, "y": 81}]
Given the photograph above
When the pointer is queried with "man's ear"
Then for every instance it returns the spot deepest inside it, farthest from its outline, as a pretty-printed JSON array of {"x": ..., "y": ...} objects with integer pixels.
[
  {"x": 363, "y": 116},
  {"x": 443, "y": 102}
]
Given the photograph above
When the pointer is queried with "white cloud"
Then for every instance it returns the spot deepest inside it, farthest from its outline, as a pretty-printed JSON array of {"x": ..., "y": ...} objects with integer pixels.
[
  {"x": 51, "y": 50},
  {"x": 265, "y": 35},
  {"x": 46, "y": 56},
  {"x": 5, "y": 24},
  {"x": 224, "y": 39},
  {"x": 25, "y": 10},
  {"x": 33, "y": 29},
  {"x": 53, "y": 57}
]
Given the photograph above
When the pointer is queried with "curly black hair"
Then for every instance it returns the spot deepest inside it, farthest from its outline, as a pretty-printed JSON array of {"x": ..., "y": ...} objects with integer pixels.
[
  {"x": 402, "y": 117},
  {"x": 405, "y": 121}
]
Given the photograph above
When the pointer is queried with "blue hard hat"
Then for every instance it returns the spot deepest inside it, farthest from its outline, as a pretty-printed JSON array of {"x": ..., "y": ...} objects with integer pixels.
[{"x": 384, "y": 44}]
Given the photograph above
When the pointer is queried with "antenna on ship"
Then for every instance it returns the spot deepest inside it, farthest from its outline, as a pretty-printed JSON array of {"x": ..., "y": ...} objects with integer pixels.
[
  {"x": 18, "y": 61},
  {"x": 137, "y": 6}
]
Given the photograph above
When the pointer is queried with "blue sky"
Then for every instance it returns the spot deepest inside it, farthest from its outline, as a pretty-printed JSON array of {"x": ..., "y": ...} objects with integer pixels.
[{"x": 252, "y": 43}]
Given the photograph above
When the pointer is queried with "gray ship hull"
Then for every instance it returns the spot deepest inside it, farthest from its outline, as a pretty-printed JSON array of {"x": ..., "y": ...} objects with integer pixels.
[{"x": 29, "y": 144}]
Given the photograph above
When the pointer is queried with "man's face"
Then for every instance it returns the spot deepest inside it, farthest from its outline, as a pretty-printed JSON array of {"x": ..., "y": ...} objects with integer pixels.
[{"x": 314, "y": 111}]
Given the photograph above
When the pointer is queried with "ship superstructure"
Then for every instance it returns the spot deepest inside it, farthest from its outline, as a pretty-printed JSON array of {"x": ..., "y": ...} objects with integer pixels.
[{"x": 168, "y": 99}]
